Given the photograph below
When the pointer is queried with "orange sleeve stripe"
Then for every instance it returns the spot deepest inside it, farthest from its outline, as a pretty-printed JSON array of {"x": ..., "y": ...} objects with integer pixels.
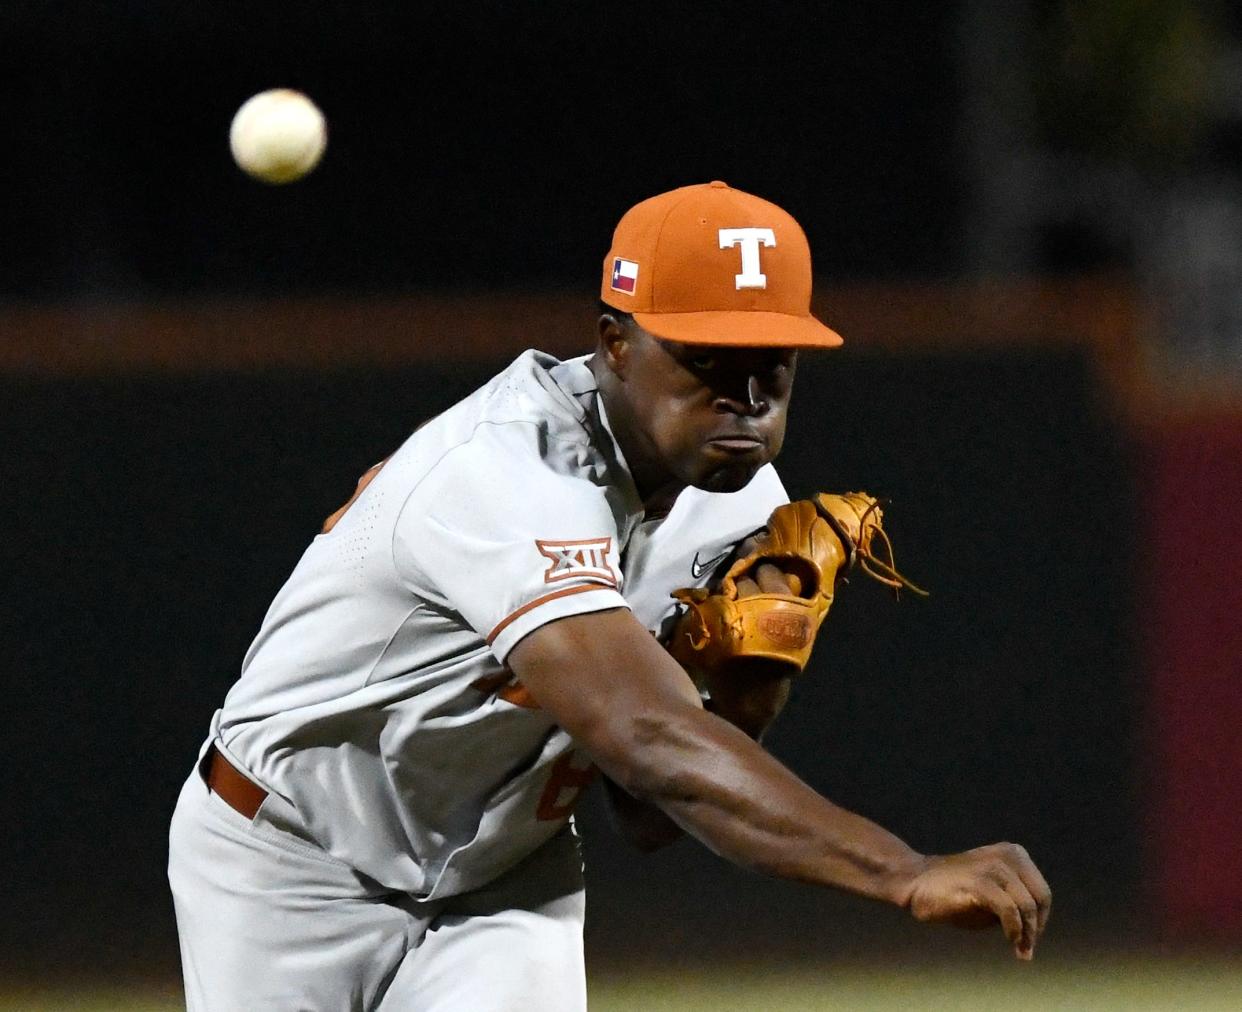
[{"x": 500, "y": 627}]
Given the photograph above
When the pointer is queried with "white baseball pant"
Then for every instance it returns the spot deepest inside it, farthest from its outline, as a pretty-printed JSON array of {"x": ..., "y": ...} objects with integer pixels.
[{"x": 269, "y": 921}]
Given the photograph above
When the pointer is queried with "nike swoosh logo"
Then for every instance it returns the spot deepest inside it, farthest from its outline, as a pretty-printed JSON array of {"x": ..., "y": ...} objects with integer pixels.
[{"x": 700, "y": 569}]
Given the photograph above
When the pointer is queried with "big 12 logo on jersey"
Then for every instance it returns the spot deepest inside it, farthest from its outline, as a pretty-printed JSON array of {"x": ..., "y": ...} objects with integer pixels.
[{"x": 577, "y": 559}]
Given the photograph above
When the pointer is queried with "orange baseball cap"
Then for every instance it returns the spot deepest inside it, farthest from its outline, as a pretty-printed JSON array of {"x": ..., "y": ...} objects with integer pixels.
[{"x": 708, "y": 264}]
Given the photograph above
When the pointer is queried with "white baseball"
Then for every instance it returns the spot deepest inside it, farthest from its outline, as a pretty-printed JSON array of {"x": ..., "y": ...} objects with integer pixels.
[{"x": 278, "y": 136}]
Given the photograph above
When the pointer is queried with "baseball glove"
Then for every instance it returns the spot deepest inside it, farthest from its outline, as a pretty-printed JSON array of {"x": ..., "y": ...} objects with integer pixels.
[{"x": 815, "y": 542}]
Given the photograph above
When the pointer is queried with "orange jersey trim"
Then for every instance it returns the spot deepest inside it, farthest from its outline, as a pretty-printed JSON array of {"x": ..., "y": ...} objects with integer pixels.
[
  {"x": 500, "y": 627},
  {"x": 507, "y": 687}
]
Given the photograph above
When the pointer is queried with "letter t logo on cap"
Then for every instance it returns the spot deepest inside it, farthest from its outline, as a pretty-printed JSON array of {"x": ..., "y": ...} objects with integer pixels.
[{"x": 749, "y": 239}]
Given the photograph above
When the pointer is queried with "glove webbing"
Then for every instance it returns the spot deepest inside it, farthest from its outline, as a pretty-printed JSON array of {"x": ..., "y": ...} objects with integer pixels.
[{"x": 860, "y": 553}]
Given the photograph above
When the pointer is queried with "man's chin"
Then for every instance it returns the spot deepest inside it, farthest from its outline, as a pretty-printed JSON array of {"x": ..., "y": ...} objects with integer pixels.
[{"x": 728, "y": 478}]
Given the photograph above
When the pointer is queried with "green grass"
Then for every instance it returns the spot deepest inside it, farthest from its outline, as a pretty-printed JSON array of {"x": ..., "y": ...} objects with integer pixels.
[
  {"x": 1107, "y": 985},
  {"x": 100, "y": 999},
  {"x": 1110, "y": 983}
]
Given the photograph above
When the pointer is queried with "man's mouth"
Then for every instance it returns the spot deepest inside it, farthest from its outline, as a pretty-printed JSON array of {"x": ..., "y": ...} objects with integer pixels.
[{"x": 737, "y": 442}]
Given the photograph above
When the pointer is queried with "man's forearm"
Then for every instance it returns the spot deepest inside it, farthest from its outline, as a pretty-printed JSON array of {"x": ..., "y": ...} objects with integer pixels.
[
  {"x": 722, "y": 788},
  {"x": 647, "y": 826},
  {"x": 648, "y": 732},
  {"x": 644, "y": 824}
]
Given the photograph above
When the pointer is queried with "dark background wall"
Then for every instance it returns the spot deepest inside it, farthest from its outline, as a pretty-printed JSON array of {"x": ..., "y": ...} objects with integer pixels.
[{"x": 155, "y": 518}]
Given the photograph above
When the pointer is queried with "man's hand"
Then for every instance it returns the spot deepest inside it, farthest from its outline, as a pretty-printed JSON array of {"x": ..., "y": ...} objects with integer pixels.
[
  {"x": 750, "y": 692},
  {"x": 979, "y": 887}
]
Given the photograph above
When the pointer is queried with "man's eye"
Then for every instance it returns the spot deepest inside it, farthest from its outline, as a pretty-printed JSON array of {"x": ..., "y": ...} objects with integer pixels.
[{"x": 703, "y": 362}]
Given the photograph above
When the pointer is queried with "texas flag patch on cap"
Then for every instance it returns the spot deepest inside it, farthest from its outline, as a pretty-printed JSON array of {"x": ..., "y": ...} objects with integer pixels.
[{"x": 624, "y": 275}]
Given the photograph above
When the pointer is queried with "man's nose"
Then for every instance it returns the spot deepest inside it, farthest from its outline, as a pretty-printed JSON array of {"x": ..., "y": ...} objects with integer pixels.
[{"x": 748, "y": 401}]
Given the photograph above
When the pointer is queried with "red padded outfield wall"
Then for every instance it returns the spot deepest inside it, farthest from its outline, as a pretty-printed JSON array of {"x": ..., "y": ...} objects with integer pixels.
[{"x": 1194, "y": 637}]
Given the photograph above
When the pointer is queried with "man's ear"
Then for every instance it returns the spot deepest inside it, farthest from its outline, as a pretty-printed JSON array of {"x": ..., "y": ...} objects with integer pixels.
[{"x": 615, "y": 345}]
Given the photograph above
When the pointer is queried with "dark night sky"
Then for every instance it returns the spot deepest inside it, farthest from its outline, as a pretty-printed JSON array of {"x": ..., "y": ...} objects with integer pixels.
[{"x": 472, "y": 145}]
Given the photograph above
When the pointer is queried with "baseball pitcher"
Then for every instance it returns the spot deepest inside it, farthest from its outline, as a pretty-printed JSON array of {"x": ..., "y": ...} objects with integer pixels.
[{"x": 587, "y": 569}]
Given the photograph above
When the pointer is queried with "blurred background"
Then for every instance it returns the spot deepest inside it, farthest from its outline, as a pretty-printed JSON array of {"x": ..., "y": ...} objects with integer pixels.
[{"x": 1026, "y": 219}]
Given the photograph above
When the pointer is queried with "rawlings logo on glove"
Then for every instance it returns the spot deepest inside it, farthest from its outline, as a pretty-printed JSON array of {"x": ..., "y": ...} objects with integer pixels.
[{"x": 814, "y": 543}]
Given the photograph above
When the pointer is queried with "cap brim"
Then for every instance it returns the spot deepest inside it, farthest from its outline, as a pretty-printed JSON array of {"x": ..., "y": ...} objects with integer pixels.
[{"x": 740, "y": 329}]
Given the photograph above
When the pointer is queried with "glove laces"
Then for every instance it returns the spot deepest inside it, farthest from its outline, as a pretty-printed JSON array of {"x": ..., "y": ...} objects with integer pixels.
[{"x": 879, "y": 567}]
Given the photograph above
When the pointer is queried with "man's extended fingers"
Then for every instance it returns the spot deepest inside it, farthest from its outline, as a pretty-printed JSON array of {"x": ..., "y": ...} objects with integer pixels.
[
  {"x": 1028, "y": 910},
  {"x": 1035, "y": 883},
  {"x": 998, "y": 900}
]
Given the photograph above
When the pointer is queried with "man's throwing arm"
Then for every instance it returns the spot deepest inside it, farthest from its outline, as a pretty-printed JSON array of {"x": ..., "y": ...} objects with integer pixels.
[{"x": 643, "y": 723}]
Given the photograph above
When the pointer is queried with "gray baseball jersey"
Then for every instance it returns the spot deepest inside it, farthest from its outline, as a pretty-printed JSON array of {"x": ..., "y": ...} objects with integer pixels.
[{"x": 375, "y": 703}]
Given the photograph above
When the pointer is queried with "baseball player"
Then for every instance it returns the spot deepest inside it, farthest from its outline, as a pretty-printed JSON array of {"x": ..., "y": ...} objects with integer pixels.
[{"x": 381, "y": 815}]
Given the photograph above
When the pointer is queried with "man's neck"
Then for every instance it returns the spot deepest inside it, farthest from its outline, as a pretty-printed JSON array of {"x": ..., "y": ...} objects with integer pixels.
[
  {"x": 657, "y": 489},
  {"x": 659, "y": 504}
]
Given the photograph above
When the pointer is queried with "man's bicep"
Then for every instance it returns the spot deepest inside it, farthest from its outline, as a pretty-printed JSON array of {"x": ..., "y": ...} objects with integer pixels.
[
  {"x": 601, "y": 675},
  {"x": 507, "y": 564}
]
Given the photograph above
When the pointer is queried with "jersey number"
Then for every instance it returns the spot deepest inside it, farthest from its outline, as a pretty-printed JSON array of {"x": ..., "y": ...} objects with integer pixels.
[{"x": 565, "y": 783}]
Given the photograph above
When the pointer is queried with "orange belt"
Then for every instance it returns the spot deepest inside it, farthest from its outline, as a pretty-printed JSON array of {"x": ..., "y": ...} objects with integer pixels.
[{"x": 235, "y": 790}]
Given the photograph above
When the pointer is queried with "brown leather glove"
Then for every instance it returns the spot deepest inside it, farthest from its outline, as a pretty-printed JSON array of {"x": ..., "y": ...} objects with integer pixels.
[{"x": 815, "y": 543}]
